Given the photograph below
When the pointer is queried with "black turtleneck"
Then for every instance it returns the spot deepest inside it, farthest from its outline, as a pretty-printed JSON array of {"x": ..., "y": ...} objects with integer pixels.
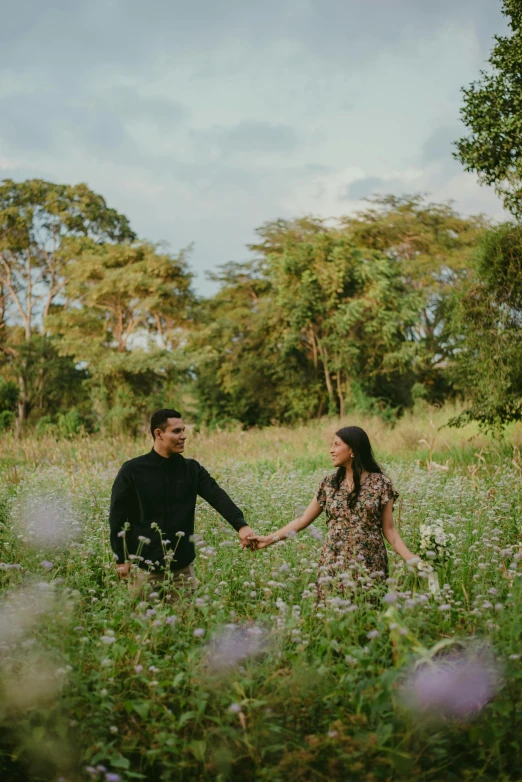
[{"x": 152, "y": 489}]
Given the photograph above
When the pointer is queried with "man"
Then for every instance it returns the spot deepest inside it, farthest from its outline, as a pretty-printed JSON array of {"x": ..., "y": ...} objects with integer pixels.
[{"x": 152, "y": 509}]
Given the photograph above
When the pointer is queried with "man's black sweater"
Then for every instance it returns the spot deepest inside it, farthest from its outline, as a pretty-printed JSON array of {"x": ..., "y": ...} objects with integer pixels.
[{"x": 153, "y": 489}]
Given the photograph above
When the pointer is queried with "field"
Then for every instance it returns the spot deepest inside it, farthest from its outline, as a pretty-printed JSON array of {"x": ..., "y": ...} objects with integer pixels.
[{"x": 251, "y": 680}]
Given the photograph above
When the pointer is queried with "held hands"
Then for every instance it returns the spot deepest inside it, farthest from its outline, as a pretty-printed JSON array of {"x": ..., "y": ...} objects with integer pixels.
[
  {"x": 245, "y": 533},
  {"x": 254, "y": 542},
  {"x": 258, "y": 542}
]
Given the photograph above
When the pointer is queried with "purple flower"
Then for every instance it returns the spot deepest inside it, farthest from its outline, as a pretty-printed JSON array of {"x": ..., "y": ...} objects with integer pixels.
[
  {"x": 315, "y": 533},
  {"x": 390, "y": 597},
  {"x": 456, "y": 687},
  {"x": 112, "y": 777},
  {"x": 199, "y": 632},
  {"x": 46, "y": 564},
  {"x": 233, "y": 645}
]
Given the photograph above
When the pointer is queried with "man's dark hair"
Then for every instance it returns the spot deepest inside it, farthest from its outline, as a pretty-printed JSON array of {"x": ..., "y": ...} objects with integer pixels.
[{"x": 160, "y": 417}]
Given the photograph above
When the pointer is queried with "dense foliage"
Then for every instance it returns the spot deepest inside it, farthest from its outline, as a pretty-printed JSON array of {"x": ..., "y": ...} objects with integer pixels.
[
  {"x": 492, "y": 112},
  {"x": 488, "y": 313},
  {"x": 98, "y": 327},
  {"x": 43, "y": 230}
]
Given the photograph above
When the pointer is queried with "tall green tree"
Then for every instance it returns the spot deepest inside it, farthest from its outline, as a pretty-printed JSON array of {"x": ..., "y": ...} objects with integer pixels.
[
  {"x": 433, "y": 247},
  {"x": 242, "y": 373},
  {"x": 347, "y": 308},
  {"x": 124, "y": 315},
  {"x": 492, "y": 113},
  {"x": 42, "y": 227},
  {"x": 488, "y": 314},
  {"x": 312, "y": 324}
]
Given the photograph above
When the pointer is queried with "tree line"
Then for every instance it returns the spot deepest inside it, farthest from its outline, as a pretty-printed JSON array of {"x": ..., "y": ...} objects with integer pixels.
[{"x": 405, "y": 300}]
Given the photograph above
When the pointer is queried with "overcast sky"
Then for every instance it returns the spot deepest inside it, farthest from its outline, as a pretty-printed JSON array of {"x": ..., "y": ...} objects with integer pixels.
[{"x": 202, "y": 119}]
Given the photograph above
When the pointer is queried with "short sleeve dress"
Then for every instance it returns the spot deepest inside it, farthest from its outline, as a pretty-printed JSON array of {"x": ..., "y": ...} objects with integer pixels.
[{"x": 354, "y": 535}]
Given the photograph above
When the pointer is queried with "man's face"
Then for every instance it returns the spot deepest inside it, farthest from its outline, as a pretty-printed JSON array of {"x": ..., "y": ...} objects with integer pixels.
[{"x": 174, "y": 436}]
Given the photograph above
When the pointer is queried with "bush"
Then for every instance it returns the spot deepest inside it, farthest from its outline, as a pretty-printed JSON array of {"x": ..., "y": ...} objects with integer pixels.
[
  {"x": 69, "y": 423},
  {"x": 7, "y": 419},
  {"x": 65, "y": 425},
  {"x": 45, "y": 426},
  {"x": 9, "y": 393}
]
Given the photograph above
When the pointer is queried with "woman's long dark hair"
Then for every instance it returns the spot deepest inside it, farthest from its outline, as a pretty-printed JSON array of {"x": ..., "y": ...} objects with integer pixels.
[{"x": 363, "y": 459}]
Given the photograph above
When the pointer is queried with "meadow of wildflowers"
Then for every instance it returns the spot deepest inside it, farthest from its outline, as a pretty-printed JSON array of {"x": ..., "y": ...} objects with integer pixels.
[{"x": 252, "y": 678}]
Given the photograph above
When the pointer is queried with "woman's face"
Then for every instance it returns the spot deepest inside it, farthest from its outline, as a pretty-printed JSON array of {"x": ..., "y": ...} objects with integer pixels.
[{"x": 341, "y": 453}]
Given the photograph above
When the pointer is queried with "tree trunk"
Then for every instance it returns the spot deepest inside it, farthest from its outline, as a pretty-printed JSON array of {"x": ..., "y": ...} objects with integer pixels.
[
  {"x": 340, "y": 394},
  {"x": 314, "y": 347},
  {"x": 23, "y": 406},
  {"x": 327, "y": 376}
]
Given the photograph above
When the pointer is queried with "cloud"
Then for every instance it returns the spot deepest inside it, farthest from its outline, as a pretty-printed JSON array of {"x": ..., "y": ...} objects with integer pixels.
[
  {"x": 66, "y": 37},
  {"x": 366, "y": 186},
  {"x": 102, "y": 132},
  {"x": 48, "y": 123},
  {"x": 142, "y": 187},
  {"x": 249, "y": 138},
  {"x": 7, "y": 165},
  {"x": 131, "y": 103},
  {"x": 439, "y": 145},
  {"x": 23, "y": 123},
  {"x": 202, "y": 120},
  {"x": 361, "y": 188}
]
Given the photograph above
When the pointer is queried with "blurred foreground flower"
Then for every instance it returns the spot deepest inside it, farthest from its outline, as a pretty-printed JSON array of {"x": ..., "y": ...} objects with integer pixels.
[
  {"x": 456, "y": 687},
  {"x": 426, "y": 571},
  {"x": 234, "y": 644},
  {"x": 22, "y": 609},
  {"x": 34, "y": 681},
  {"x": 47, "y": 520}
]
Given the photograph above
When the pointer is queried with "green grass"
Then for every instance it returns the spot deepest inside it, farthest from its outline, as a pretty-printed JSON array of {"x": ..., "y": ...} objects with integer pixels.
[{"x": 322, "y": 700}]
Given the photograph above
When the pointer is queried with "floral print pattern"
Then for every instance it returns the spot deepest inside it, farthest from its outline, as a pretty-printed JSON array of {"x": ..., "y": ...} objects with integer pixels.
[{"x": 354, "y": 541}]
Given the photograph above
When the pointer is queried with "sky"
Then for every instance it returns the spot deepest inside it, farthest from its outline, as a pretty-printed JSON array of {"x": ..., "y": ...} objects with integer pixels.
[{"x": 202, "y": 120}]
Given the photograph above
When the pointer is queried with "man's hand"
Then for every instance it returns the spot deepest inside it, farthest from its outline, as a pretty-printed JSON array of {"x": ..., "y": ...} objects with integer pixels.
[
  {"x": 258, "y": 542},
  {"x": 123, "y": 570},
  {"x": 244, "y": 533}
]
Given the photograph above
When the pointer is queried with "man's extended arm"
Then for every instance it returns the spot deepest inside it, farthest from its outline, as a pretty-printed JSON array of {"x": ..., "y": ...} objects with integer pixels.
[
  {"x": 119, "y": 512},
  {"x": 209, "y": 489}
]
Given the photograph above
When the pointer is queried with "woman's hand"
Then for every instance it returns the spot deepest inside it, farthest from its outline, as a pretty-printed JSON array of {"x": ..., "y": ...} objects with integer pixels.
[{"x": 260, "y": 541}]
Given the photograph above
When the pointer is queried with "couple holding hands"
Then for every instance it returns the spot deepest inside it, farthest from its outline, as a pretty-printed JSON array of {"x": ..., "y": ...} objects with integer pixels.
[{"x": 153, "y": 505}]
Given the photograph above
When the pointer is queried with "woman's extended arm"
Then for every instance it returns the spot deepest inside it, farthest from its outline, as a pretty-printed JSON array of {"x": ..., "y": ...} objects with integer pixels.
[
  {"x": 391, "y": 533},
  {"x": 310, "y": 514}
]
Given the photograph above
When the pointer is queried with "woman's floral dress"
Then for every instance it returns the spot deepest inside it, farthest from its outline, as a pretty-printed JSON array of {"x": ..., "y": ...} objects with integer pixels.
[{"x": 354, "y": 547}]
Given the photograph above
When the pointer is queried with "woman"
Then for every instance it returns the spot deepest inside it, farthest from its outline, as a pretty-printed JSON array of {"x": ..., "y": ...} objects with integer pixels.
[{"x": 358, "y": 500}]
